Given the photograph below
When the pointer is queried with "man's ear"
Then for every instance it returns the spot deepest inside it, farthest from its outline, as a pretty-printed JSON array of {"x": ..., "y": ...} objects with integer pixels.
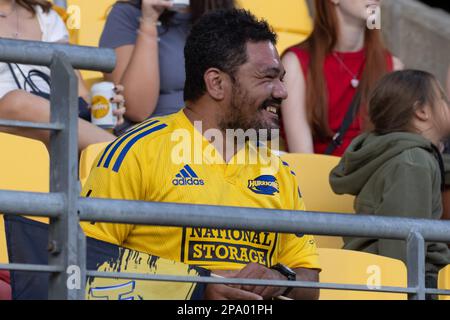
[{"x": 215, "y": 83}]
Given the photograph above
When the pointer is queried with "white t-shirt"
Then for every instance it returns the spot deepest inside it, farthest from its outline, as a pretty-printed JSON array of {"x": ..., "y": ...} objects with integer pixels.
[{"x": 53, "y": 30}]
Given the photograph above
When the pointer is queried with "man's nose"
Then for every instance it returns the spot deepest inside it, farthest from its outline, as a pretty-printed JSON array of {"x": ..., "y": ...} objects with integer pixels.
[{"x": 280, "y": 91}]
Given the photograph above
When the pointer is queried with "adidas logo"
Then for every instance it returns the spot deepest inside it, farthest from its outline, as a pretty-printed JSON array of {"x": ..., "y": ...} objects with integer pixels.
[{"x": 187, "y": 177}]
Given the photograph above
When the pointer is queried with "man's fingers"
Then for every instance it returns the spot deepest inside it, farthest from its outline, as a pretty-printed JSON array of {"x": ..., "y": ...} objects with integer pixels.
[
  {"x": 252, "y": 271},
  {"x": 270, "y": 292},
  {"x": 260, "y": 290},
  {"x": 237, "y": 294}
]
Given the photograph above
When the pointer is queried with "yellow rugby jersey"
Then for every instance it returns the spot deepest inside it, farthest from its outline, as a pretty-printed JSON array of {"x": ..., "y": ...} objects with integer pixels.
[{"x": 167, "y": 160}]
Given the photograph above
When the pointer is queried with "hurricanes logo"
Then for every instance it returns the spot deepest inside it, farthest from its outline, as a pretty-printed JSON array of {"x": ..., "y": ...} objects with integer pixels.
[
  {"x": 100, "y": 107},
  {"x": 267, "y": 185},
  {"x": 187, "y": 177}
]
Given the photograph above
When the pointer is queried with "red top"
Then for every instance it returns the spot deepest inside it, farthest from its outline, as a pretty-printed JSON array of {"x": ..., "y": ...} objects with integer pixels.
[
  {"x": 4, "y": 276},
  {"x": 340, "y": 92}
]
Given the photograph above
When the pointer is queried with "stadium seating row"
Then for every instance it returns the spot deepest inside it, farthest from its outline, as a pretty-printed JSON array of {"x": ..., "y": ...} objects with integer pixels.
[
  {"x": 293, "y": 25},
  {"x": 339, "y": 266}
]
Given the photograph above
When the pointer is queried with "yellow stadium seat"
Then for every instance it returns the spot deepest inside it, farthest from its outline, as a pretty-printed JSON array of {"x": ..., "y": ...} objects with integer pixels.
[
  {"x": 313, "y": 172},
  {"x": 444, "y": 281},
  {"x": 92, "y": 19},
  {"x": 92, "y": 16},
  {"x": 288, "y": 39},
  {"x": 90, "y": 78},
  {"x": 360, "y": 268},
  {"x": 87, "y": 158},
  {"x": 24, "y": 166},
  {"x": 70, "y": 16},
  {"x": 290, "y": 18}
]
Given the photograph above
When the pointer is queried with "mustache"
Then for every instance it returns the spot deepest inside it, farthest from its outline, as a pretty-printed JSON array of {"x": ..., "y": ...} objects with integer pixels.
[{"x": 271, "y": 102}]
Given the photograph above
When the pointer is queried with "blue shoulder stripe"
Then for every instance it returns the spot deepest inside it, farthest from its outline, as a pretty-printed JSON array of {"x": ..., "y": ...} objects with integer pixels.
[
  {"x": 128, "y": 146},
  {"x": 122, "y": 140},
  {"x": 126, "y": 135},
  {"x": 105, "y": 152}
]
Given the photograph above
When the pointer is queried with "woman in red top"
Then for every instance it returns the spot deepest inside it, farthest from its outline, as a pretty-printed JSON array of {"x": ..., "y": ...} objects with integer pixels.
[{"x": 341, "y": 56}]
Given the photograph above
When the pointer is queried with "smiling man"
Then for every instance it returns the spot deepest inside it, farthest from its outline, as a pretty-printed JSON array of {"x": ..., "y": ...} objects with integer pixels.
[{"x": 234, "y": 82}]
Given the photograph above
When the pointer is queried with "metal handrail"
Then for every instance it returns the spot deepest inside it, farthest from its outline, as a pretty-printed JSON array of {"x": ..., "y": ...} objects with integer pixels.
[
  {"x": 41, "y": 54},
  {"x": 68, "y": 209}
]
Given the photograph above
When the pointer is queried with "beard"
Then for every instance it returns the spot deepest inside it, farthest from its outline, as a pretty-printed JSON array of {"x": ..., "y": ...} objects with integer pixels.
[{"x": 245, "y": 113}]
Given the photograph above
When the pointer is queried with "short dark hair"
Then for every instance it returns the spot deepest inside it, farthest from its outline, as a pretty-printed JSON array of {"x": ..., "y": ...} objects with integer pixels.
[{"x": 219, "y": 40}]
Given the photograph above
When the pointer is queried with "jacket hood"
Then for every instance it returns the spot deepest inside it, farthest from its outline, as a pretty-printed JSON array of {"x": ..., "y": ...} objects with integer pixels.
[{"x": 367, "y": 153}]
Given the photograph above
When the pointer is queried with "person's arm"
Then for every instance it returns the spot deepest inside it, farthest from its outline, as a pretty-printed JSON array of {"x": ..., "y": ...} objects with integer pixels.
[
  {"x": 303, "y": 274},
  {"x": 83, "y": 91},
  {"x": 138, "y": 64},
  {"x": 257, "y": 271},
  {"x": 300, "y": 254},
  {"x": 296, "y": 126},
  {"x": 297, "y": 252}
]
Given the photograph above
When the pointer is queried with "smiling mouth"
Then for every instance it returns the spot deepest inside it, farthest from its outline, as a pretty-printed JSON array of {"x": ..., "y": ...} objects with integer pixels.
[
  {"x": 272, "y": 109},
  {"x": 372, "y": 5}
]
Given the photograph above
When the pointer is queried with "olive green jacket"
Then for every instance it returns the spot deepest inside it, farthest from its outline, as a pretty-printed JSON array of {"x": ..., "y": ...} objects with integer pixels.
[{"x": 396, "y": 174}]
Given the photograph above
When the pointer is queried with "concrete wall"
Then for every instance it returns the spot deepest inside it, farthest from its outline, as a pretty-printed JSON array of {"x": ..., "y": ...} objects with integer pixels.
[{"x": 417, "y": 34}]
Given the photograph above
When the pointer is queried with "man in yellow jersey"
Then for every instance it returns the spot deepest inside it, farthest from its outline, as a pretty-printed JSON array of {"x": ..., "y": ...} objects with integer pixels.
[{"x": 234, "y": 83}]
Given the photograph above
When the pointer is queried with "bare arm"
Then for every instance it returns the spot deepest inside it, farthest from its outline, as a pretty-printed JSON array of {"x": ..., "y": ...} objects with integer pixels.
[
  {"x": 257, "y": 271},
  {"x": 138, "y": 70},
  {"x": 138, "y": 65},
  {"x": 83, "y": 91},
  {"x": 298, "y": 132},
  {"x": 302, "y": 293}
]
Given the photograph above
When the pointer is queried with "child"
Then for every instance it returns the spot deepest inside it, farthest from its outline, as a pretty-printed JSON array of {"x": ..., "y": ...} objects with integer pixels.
[{"x": 397, "y": 168}]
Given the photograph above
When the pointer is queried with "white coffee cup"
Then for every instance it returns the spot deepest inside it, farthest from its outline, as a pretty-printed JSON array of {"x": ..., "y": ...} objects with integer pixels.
[{"x": 101, "y": 106}]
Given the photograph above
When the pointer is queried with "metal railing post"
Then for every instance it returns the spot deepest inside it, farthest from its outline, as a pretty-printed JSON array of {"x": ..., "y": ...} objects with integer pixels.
[
  {"x": 82, "y": 258},
  {"x": 63, "y": 231},
  {"x": 415, "y": 256}
]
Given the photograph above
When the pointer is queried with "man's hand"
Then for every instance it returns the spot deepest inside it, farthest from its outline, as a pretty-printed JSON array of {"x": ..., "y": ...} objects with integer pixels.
[
  {"x": 257, "y": 271},
  {"x": 224, "y": 292}
]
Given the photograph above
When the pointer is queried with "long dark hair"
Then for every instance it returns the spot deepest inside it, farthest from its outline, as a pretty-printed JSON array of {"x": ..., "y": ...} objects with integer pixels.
[
  {"x": 29, "y": 5},
  {"x": 198, "y": 8}
]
